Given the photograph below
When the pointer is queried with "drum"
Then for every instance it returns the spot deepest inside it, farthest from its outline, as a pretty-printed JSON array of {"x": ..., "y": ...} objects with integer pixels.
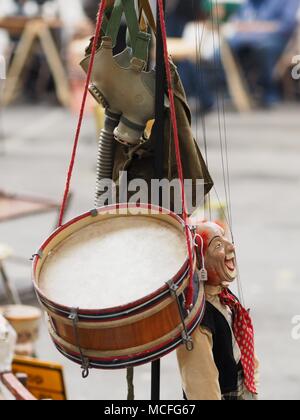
[{"x": 113, "y": 283}]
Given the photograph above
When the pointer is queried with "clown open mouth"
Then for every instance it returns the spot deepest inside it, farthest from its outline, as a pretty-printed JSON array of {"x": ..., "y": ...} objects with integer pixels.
[{"x": 230, "y": 263}]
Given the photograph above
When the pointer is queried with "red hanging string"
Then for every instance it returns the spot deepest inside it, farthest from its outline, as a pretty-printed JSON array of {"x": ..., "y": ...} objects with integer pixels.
[
  {"x": 190, "y": 290},
  {"x": 102, "y": 7}
]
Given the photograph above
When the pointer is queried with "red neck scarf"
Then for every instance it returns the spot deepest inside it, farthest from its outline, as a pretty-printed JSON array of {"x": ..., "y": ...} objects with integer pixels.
[{"x": 244, "y": 334}]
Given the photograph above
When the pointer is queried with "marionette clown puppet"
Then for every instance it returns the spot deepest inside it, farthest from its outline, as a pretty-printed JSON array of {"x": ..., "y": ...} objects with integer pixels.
[{"x": 222, "y": 365}]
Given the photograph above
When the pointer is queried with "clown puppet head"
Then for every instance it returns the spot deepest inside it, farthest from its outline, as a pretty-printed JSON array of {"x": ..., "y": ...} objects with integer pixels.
[{"x": 218, "y": 252}]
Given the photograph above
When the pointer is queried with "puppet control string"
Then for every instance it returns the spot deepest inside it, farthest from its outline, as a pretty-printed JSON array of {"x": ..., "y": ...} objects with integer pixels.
[{"x": 221, "y": 116}]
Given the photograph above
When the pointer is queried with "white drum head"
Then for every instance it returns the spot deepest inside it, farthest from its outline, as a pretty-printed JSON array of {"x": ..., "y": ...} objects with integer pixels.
[{"x": 113, "y": 262}]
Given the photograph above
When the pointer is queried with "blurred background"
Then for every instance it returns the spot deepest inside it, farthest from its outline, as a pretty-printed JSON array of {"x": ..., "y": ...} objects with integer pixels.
[{"x": 239, "y": 62}]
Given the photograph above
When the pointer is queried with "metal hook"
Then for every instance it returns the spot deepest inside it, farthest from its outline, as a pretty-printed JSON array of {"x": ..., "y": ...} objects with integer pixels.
[
  {"x": 188, "y": 341},
  {"x": 85, "y": 368}
]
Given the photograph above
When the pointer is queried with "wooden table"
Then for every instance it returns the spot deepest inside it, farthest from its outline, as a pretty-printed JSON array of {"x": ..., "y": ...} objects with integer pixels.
[
  {"x": 15, "y": 387},
  {"x": 15, "y": 25},
  {"x": 14, "y": 206},
  {"x": 32, "y": 30}
]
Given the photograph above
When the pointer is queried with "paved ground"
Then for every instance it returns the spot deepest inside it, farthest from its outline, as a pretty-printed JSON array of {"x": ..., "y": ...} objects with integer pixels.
[{"x": 264, "y": 150}]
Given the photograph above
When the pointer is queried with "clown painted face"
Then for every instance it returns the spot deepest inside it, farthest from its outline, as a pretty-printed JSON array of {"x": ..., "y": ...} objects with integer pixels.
[{"x": 219, "y": 254}]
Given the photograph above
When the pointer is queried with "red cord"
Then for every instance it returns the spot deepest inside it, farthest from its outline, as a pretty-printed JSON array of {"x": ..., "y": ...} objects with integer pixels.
[
  {"x": 102, "y": 7},
  {"x": 190, "y": 290}
]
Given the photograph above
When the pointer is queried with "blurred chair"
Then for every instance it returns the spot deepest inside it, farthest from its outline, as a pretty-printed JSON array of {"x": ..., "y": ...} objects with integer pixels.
[
  {"x": 180, "y": 49},
  {"x": 33, "y": 30},
  {"x": 237, "y": 85}
]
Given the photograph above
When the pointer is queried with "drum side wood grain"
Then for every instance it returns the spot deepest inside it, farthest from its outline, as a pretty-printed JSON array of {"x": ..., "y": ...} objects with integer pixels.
[{"x": 134, "y": 334}]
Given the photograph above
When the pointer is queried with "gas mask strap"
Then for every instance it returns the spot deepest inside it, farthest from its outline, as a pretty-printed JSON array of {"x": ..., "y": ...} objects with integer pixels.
[
  {"x": 142, "y": 22},
  {"x": 141, "y": 51},
  {"x": 132, "y": 21},
  {"x": 139, "y": 40},
  {"x": 145, "y": 7},
  {"x": 114, "y": 23}
]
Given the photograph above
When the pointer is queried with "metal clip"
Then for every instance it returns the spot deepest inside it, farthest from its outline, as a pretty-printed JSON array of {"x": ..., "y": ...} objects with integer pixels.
[
  {"x": 94, "y": 213},
  {"x": 203, "y": 276},
  {"x": 137, "y": 65},
  {"x": 37, "y": 254},
  {"x": 193, "y": 229},
  {"x": 85, "y": 362},
  {"x": 74, "y": 316},
  {"x": 173, "y": 288},
  {"x": 188, "y": 341},
  {"x": 85, "y": 368}
]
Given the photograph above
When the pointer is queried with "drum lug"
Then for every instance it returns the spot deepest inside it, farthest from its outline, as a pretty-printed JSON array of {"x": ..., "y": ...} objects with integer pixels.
[
  {"x": 193, "y": 229},
  {"x": 173, "y": 288},
  {"x": 94, "y": 213},
  {"x": 188, "y": 341},
  {"x": 38, "y": 254},
  {"x": 85, "y": 362},
  {"x": 186, "y": 337}
]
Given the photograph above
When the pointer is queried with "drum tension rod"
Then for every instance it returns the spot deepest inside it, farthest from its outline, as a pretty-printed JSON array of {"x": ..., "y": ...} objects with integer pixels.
[
  {"x": 84, "y": 360},
  {"x": 186, "y": 337}
]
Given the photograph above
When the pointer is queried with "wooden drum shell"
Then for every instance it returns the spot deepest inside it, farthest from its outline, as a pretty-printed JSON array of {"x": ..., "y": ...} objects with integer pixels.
[{"x": 120, "y": 337}]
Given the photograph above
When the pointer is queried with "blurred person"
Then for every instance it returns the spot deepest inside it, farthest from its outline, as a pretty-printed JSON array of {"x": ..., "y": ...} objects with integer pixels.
[
  {"x": 91, "y": 8},
  {"x": 184, "y": 20},
  {"x": 260, "y": 31},
  {"x": 75, "y": 19},
  {"x": 7, "y": 8},
  {"x": 179, "y": 13}
]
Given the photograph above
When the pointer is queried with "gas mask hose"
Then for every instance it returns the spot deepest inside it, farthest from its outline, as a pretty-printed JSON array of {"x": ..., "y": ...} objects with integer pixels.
[{"x": 106, "y": 152}]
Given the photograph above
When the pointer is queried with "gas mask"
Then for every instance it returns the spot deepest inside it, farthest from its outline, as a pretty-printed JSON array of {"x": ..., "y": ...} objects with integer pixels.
[
  {"x": 120, "y": 82},
  {"x": 122, "y": 85}
]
